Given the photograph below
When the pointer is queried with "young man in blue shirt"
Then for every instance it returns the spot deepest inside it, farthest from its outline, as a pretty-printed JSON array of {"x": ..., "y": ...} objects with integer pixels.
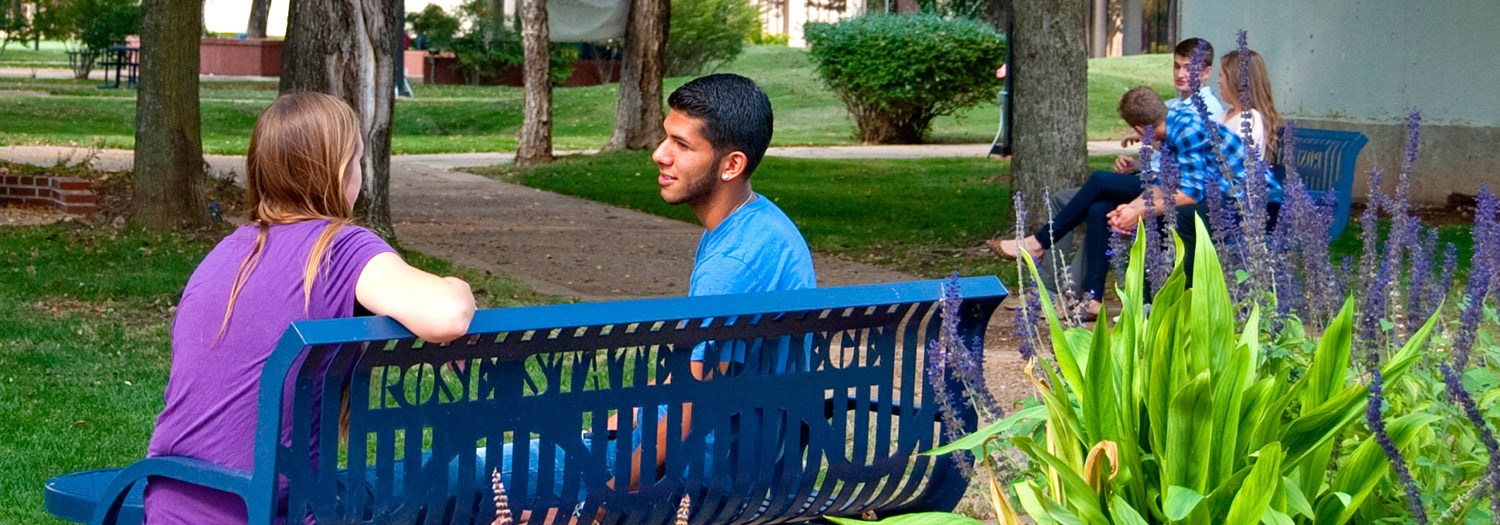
[{"x": 718, "y": 129}]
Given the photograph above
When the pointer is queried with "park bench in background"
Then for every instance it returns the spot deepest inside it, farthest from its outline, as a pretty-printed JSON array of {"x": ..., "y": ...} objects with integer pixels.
[
  {"x": 826, "y": 414},
  {"x": 122, "y": 61},
  {"x": 1325, "y": 160}
]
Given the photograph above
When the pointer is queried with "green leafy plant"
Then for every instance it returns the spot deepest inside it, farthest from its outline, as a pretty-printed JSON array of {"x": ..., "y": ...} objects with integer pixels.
[
  {"x": 704, "y": 34},
  {"x": 490, "y": 50},
  {"x": 897, "y": 73},
  {"x": 435, "y": 28},
  {"x": 1172, "y": 416},
  {"x": 88, "y": 27}
]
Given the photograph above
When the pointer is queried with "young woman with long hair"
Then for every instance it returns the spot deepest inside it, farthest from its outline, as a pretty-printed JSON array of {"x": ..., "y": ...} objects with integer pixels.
[
  {"x": 300, "y": 257},
  {"x": 1262, "y": 108}
]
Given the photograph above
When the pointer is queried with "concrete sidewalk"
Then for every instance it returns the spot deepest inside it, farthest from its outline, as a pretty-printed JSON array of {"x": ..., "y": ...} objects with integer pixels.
[{"x": 49, "y": 72}]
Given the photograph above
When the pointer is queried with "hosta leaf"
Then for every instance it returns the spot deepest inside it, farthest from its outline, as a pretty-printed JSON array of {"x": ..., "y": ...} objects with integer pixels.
[
  {"x": 1254, "y": 496},
  {"x": 1181, "y": 501}
]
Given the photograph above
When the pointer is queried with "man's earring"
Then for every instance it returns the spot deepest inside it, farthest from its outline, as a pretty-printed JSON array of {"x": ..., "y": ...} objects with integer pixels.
[{"x": 725, "y": 176}]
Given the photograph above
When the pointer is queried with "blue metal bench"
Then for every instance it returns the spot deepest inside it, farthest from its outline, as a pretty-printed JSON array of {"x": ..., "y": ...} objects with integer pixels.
[
  {"x": 1325, "y": 159},
  {"x": 824, "y": 414}
]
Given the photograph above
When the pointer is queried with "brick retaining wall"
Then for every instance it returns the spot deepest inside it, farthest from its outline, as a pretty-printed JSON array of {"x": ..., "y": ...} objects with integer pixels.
[{"x": 69, "y": 195}]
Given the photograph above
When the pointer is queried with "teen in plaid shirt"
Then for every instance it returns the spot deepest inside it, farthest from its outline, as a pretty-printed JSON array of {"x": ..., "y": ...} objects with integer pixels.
[{"x": 1114, "y": 201}]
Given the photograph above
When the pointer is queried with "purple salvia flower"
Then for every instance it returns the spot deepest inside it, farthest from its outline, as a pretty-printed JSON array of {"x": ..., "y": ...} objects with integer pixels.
[
  {"x": 966, "y": 359},
  {"x": 1118, "y": 252},
  {"x": 1413, "y": 134},
  {"x": 1482, "y": 268},
  {"x": 1160, "y": 267},
  {"x": 1370, "y": 269},
  {"x": 1028, "y": 325},
  {"x": 1196, "y": 66},
  {"x": 1244, "y": 51},
  {"x": 1402, "y": 223},
  {"x": 1150, "y": 185},
  {"x": 1421, "y": 254},
  {"x": 1444, "y": 284},
  {"x": 1376, "y": 421},
  {"x": 937, "y": 378}
]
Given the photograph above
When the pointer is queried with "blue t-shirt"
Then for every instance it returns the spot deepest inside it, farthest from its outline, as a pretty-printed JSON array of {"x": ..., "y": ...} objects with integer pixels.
[{"x": 755, "y": 249}]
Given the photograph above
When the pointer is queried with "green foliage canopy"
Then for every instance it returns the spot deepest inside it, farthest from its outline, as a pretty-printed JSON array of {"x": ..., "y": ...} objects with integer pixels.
[{"x": 704, "y": 34}]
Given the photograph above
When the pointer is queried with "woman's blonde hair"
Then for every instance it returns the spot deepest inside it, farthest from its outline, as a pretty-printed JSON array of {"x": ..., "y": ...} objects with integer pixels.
[
  {"x": 299, "y": 152},
  {"x": 1259, "y": 84}
]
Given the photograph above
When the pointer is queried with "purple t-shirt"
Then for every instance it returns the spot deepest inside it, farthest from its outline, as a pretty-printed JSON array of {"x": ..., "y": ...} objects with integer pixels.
[{"x": 211, "y": 397}]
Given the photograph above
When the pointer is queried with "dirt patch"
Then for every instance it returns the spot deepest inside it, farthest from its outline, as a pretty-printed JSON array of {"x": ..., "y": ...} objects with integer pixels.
[{"x": 29, "y": 215}]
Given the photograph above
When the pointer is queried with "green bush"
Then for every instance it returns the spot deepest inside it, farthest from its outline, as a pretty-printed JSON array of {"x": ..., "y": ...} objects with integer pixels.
[
  {"x": 88, "y": 27},
  {"x": 704, "y": 34},
  {"x": 436, "y": 29},
  {"x": 896, "y": 73},
  {"x": 490, "y": 49},
  {"x": 92, "y": 24}
]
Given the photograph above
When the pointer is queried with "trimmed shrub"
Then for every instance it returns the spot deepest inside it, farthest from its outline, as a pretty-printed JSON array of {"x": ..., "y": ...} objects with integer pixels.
[
  {"x": 705, "y": 34},
  {"x": 896, "y": 73}
]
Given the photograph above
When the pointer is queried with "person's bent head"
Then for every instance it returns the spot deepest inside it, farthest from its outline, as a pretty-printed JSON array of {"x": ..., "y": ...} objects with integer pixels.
[
  {"x": 718, "y": 129},
  {"x": 1182, "y": 58},
  {"x": 304, "y": 160},
  {"x": 1142, "y": 106}
]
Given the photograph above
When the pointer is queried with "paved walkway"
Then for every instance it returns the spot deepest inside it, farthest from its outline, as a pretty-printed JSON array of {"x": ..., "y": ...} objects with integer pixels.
[
  {"x": 557, "y": 244},
  {"x": 50, "y": 72}
]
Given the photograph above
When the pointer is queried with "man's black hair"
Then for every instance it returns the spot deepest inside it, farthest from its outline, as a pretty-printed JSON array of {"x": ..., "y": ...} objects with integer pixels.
[
  {"x": 1186, "y": 48},
  {"x": 736, "y": 114}
]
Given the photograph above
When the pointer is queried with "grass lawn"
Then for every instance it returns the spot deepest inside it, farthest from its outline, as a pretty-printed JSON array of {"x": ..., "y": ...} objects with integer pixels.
[
  {"x": 84, "y": 325},
  {"x": 924, "y": 216},
  {"x": 48, "y": 54},
  {"x": 483, "y": 118}
]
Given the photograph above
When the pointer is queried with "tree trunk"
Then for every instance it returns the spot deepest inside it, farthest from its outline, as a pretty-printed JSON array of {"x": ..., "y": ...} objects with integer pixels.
[
  {"x": 1049, "y": 66},
  {"x": 639, "y": 113},
  {"x": 349, "y": 49},
  {"x": 260, "y": 15},
  {"x": 168, "y": 147},
  {"x": 535, "y": 146}
]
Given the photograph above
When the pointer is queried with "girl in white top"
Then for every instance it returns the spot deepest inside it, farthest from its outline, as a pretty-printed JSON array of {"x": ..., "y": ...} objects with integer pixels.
[{"x": 1262, "y": 110}]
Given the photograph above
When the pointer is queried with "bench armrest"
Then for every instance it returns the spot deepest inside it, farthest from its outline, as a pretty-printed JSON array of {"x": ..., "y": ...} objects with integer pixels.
[{"x": 189, "y": 470}]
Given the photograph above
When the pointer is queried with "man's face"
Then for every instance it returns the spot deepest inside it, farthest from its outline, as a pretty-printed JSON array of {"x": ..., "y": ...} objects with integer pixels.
[
  {"x": 688, "y": 165},
  {"x": 1180, "y": 73}
]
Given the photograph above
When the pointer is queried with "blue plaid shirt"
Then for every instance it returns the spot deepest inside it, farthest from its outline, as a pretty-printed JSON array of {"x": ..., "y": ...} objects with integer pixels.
[{"x": 1188, "y": 138}]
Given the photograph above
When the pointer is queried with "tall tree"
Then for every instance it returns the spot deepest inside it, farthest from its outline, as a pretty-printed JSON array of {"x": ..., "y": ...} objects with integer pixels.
[
  {"x": 349, "y": 49},
  {"x": 168, "y": 147},
  {"x": 639, "y": 112},
  {"x": 1050, "y": 69},
  {"x": 535, "y": 146},
  {"x": 260, "y": 16}
]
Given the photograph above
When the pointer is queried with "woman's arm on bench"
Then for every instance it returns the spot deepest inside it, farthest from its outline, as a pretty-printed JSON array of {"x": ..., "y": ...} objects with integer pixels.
[{"x": 436, "y": 309}]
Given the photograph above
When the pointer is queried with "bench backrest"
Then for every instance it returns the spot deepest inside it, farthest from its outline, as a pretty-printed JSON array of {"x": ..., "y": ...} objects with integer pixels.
[
  {"x": 1325, "y": 160},
  {"x": 826, "y": 414}
]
